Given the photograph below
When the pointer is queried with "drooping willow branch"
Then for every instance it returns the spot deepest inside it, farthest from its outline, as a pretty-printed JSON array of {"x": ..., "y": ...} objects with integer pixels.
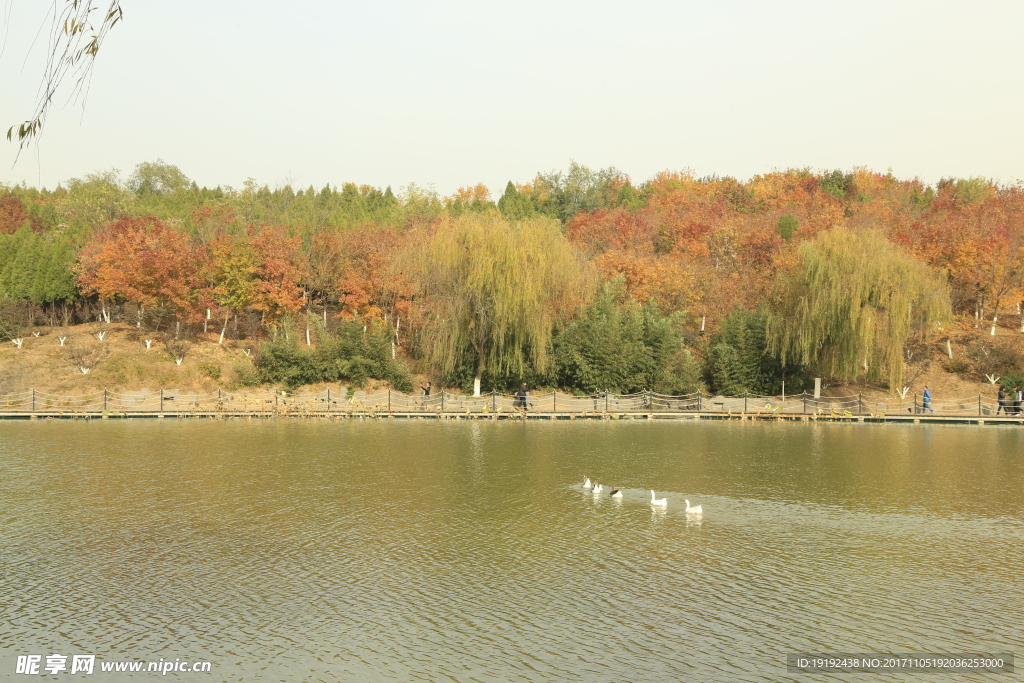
[{"x": 74, "y": 41}]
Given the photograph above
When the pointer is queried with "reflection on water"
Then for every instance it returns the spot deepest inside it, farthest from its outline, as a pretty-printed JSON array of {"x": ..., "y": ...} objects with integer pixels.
[{"x": 469, "y": 551}]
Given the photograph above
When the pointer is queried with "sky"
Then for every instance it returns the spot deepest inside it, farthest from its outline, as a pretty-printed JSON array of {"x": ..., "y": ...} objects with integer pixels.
[{"x": 455, "y": 92}]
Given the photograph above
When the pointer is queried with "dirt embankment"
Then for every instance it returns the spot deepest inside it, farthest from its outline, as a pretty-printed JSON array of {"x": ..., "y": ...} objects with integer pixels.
[{"x": 121, "y": 361}]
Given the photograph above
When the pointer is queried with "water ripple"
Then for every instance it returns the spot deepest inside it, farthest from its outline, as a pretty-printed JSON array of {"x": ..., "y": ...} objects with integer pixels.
[{"x": 469, "y": 552}]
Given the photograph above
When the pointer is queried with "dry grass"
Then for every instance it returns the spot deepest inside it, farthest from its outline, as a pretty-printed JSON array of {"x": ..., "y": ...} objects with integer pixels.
[{"x": 120, "y": 362}]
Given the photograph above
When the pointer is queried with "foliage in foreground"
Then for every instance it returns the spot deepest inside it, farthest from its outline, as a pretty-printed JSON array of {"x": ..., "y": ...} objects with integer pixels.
[
  {"x": 624, "y": 347},
  {"x": 354, "y": 354}
]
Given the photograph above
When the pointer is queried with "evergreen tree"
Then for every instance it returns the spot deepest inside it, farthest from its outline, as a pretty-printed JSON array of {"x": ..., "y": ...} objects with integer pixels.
[
  {"x": 513, "y": 205},
  {"x": 629, "y": 198}
]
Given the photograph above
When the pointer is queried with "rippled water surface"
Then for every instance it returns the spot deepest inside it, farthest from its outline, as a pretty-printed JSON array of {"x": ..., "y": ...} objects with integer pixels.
[{"x": 468, "y": 551}]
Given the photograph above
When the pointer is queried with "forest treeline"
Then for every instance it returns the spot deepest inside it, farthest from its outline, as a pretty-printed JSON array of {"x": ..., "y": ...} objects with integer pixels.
[{"x": 579, "y": 279}]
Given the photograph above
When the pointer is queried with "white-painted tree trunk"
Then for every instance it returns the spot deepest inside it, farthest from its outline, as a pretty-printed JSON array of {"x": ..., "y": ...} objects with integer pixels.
[
  {"x": 149, "y": 343},
  {"x": 949, "y": 349},
  {"x": 992, "y": 333},
  {"x": 476, "y": 386},
  {"x": 62, "y": 340}
]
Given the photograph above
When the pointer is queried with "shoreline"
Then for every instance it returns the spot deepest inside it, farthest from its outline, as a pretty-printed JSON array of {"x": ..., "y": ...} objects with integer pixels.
[{"x": 687, "y": 416}]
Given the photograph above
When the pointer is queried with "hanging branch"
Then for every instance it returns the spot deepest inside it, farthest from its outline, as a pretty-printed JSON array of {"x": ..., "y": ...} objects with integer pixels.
[{"x": 73, "y": 45}]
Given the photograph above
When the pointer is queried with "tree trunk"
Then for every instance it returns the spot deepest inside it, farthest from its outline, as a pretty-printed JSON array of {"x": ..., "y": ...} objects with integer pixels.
[
  {"x": 227, "y": 317},
  {"x": 479, "y": 376},
  {"x": 949, "y": 349},
  {"x": 993, "y": 331}
]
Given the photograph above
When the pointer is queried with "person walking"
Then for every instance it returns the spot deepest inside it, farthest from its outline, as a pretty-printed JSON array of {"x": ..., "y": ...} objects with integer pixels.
[
  {"x": 926, "y": 401},
  {"x": 521, "y": 396},
  {"x": 1002, "y": 402}
]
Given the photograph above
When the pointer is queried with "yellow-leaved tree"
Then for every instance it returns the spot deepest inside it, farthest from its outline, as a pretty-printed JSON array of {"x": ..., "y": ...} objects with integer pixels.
[
  {"x": 851, "y": 304},
  {"x": 492, "y": 291}
]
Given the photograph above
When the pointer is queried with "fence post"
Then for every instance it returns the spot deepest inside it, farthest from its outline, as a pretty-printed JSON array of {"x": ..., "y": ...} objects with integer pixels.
[
  {"x": 442, "y": 400},
  {"x": 104, "y": 400},
  {"x": 699, "y": 406},
  {"x": 389, "y": 400},
  {"x": 979, "y": 405},
  {"x": 494, "y": 401},
  {"x": 745, "y": 402},
  {"x": 860, "y": 403},
  {"x": 804, "y": 394},
  {"x": 915, "y": 403},
  {"x": 161, "y": 400},
  {"x": 33, "y": 400},
  {"x": 554, "y": 401},
  {"x": 606, "y": 400}
]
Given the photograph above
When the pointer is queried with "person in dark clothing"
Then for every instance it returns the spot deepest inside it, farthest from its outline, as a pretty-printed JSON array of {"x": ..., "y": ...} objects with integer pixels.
[
  {"x": 426, "y": 389},
  {"x": 521, "y": 396},
  {"x": 1002, "y": 402}
]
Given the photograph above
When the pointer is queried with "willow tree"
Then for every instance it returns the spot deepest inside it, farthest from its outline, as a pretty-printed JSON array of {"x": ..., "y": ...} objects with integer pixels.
[
  {"x": 494, "y": 291},
  {"x": 852, "y": 303}
]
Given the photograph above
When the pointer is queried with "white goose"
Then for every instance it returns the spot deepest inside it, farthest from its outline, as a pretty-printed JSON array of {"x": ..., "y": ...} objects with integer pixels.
[
  {"x": 587, "y": 484},
  {"x": 598, "y": 488},
  {"x": 658, "y": 501},
  {"x": 616, "y": 492},
  {"x": 699, "y": 510}
]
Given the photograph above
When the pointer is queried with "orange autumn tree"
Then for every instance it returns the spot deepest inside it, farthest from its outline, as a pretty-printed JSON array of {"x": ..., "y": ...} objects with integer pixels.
[
  {"x": 145, "y": 261},
  {"x": 281, "y": 270}
]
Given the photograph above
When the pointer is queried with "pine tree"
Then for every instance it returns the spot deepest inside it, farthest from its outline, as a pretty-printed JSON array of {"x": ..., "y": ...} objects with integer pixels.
[{"x": 513, "y": 205}]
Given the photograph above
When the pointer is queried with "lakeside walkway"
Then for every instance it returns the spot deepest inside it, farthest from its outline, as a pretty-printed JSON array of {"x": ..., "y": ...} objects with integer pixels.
[{"x": 345, "y": 404}]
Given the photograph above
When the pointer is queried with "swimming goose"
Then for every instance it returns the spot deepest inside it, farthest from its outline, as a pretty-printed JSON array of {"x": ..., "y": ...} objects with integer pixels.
[
  {"x": 598, "y": 488},
  {"x": 658, "y": 501},
  {"x": 699, "y": 510},
  {"x": 587, "y": 484},
  {"x": 616, "y": 492}
]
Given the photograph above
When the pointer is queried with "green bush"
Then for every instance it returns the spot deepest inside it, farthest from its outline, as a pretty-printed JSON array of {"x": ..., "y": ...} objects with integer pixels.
[
  {"x": 246, "y": 375},
  {"x": 624, "y": 347},
  {"x": 355, "y": 353},
  {"x": 210, "y": 368}
]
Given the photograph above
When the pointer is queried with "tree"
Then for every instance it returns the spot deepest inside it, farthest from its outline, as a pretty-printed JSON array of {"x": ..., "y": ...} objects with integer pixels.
[
  {"x": 96, "y": 199},
  {"x": 513, "y": 205},
  {"x": 787, "y": 225},
  {"x": 146, "y": 261},
  {"x": 75, "y": 41},
  {"x": 232, "y": 272},
  {"x": 12, "y": 214},
  {"x": 157, "y": 178},
  {"x": 281, "y": 268},
  {"x": 623, "y": 347},
  {"x": 493, "y": 291},
  {"x": 851, "y": 305}
]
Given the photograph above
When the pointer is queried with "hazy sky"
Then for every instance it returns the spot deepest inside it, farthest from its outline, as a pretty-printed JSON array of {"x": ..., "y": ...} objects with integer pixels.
[{"x": 456, "y": 92}]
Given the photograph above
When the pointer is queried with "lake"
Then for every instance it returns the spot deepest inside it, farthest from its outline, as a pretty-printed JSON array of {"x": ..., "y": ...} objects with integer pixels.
[{"x": 409, "y": 550}]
